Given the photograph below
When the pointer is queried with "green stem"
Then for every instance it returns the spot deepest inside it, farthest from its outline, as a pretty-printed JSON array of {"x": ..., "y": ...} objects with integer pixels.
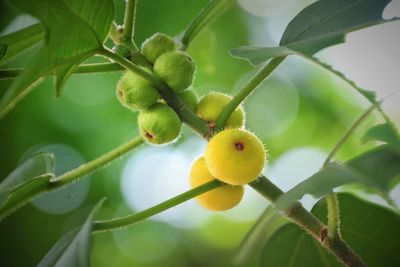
[
  {"x": 331, "y": 199},
  {"x": 211, "y": 11},
  {"x": 348, "y": 133},
  {"x": 129, "y": 23},
  {"x": 6, "y": 74},
  {"x": 296, "y": 213},
  {"x": 246, "y": 90},
  {"x": 107, "y": 225},
  {"x": 333, "y": 215},
  {"x": 42, "y": 184},
  {"x": 173, "y": 100},
  {"x": 93, "y": 165}
]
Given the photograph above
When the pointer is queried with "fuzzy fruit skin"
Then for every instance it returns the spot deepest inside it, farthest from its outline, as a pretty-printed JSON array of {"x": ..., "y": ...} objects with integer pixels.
[
  {"x": 219, "y": 199},
  {"x": 159, "y": 124},
  {"x": 211, "y": 106},
  {"x": 156, "y": 45},
  {"x": 176, "y": 69},
  {"x": 190, "y": 98},
  {"x": 235, "y": 156},
  {"x": 136, "y": 93}
]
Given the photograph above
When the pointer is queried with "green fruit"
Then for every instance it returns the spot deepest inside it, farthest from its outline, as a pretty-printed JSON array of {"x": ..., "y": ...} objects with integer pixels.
[
  {"x": 176, "y": 69},
  {"x": 159, "y": 124},
  {"x": 211, "y": 106},
  {"x": 156, "y": 45},
  {"x": 190, "y": 98},
  {"x": 136, "y": 93}
]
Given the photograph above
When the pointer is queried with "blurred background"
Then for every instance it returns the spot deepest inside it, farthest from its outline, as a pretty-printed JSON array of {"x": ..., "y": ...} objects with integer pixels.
[{"x": 299, "y": 112}]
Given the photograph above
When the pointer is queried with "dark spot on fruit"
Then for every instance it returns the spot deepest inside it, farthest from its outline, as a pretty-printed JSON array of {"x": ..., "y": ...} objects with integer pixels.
[
  {"x": 120, "y": 93},
  {"x": 149, "y": 135},
  {"x": 239, "y": 146}
]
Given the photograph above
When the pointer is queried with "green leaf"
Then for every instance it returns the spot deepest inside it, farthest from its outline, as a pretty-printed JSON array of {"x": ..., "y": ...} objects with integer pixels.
[
  {"x": 325, "y": 23},
  {"x": 321, "y": 24},
  {"x": 371, "y": 230},
  {"x": 252, "y": 244},
  {"x": 20, "y": 40},
  {"x": 385, "y": 133},
  {"x": 3, "y": 50},
  {"x": 375, "y": 169},
  {"x": 74, "y": 31},
  {"x": 38, "y": 165},
  {"x": 73, "y": 249}
]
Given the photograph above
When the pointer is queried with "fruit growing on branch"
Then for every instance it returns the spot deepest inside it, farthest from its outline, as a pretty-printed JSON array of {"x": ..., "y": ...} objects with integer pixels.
[
  {"x": 219, "y": 199},
  {"x": 176, "y": 69},
  {"x": 159, "y": 124},
  {"x": 235, "y": 156},
  {"x": 211, "y": 106}
]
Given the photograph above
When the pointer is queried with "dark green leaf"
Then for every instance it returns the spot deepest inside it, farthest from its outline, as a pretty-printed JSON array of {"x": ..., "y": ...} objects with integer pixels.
[
  {"x": 74, "y": 31},
  {"x": 38, "y": 165},
  {"x": 375, "y": 169},
  {"x": 73, "y": 249},
  {"x": 321, "y": 24},
  {"x": 3, "y": 50},
  {"x": 369, "y": 229},
  {"x": 326, "y": 22},
  {"x": 385, "y": 133},
  {"x": 23, "y": 193},
  {"x": 20, "y": 40},
  {"x": 251, "y": 245}
]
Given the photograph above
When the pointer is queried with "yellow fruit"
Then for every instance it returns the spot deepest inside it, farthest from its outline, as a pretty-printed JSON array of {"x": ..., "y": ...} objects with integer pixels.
[
  {"x": 219, "y": 199},
  {"x": 235, "y": 156},
  {"x": 211, "y": 106}
]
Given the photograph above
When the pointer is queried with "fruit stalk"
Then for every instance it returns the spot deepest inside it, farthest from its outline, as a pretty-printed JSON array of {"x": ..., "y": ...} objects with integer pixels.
[
  {"x": 108, "y": 225},
  {"x": 15, "y": 202},
  {"x": 101, "y": 161},
  {"x": 6, "y": 74},
  {"x": 212, "y": 10},
  {"x": 129, "y": 23},
  {"x": 307, "y": 221},
  {"x": 246, "y": 90}
]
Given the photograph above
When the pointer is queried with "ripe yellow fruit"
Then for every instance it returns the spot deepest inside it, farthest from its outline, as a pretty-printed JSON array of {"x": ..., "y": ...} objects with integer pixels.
[
  {"x": 235, "y": 156},
  {"x": 211, "y": 106},
  {"x": 219, "y": 199}
]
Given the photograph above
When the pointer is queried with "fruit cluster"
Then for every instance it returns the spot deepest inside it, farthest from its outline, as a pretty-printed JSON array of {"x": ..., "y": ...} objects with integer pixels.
[
  {"x": 158, "y": 122},
  {"x": 233, "y": 156}
]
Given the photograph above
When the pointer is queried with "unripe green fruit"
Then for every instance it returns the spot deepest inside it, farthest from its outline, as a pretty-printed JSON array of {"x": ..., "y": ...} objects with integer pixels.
[
  {"x": 159, "y": 124},
  {"x": 235, "y": 156},
  {"x": 136, "y": 93},
  {"x": 211, "y": 106},
  {"x": 176, "y": 69},
  {"x": 219, "y": 199},
  {"x": 190, "y": 98},
  {"x": 156, "y": 45}
]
